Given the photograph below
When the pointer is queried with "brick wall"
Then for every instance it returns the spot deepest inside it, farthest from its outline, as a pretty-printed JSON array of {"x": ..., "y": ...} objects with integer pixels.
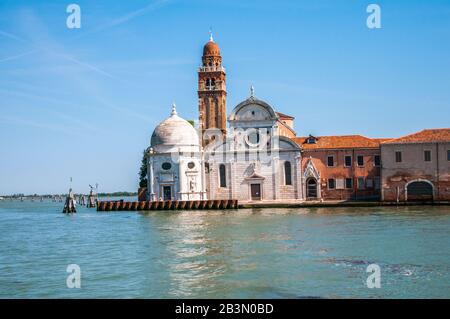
[{"x": 369, "y": 172}]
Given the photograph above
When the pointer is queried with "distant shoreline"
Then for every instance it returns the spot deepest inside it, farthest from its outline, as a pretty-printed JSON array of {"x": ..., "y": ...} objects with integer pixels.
[{"x": 114, "y": 194}]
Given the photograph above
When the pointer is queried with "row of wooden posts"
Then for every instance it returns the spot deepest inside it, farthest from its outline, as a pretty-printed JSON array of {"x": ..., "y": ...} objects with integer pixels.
[{"x": 167, "y": 205}]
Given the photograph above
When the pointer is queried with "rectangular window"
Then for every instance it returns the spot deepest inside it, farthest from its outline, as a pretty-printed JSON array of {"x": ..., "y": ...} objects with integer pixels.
[
  {"x": 348, "y": 161},
  {"x": 331, "y": 183},
  {"x": 377, "y": 182},
  {"x": 360, "y": 182},
  {"x": 369, "y": 183},
  {"x": 377, "y": 160},
  {"x": 330, "y": 161},
  {"x": 427, "y": 156},
  {"x": 349, "y": 183},
  {"x": 398, "y": 157},
  {"x": 360, "y": 160},
  {"x": 448, "y": 155}
]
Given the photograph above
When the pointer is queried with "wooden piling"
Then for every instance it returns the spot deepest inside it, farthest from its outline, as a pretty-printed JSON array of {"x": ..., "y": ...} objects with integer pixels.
[{"x": 221, "y": 204}]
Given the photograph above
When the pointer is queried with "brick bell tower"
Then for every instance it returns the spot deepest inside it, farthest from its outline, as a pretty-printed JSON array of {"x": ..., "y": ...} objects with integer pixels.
[{"x": 212, "y": 93}]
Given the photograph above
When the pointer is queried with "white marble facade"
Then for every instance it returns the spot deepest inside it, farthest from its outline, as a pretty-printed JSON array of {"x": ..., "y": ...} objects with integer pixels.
[
  {"x": 253, "y": 163},
  {"x": 175, "y": 168}
]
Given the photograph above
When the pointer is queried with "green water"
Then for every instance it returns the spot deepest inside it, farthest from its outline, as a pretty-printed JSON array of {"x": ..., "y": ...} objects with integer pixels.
[{"x": 258, "y": 253}]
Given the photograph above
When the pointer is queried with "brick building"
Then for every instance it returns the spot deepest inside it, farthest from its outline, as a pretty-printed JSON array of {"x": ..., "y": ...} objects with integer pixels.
[
  {"x": 417, "y": 166},
  {"x": 341, "y": 167}
]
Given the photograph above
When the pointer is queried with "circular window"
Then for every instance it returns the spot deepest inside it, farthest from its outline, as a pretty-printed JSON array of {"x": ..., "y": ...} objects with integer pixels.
[
  {"x": 166, "y": 166},
  {"x": 252, "y": 137},
  {"x": 191, "y": 165}
]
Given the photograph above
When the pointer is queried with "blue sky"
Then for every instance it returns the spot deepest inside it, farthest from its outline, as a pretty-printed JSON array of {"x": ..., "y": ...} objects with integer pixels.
[{"x": 84, "y": 102}]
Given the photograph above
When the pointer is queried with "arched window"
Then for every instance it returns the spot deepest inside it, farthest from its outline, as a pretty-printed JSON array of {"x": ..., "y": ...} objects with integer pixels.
[
  {"x": 210, "y": 84},
  {"x": 287, "y": 173},
  {"x": 222, "y": 175}
]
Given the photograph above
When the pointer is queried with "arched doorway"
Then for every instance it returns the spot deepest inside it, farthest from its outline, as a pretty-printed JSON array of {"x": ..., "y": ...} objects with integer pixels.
[
  {"x": 311, "y": 188},
  {"x": 419, "y": 191}
]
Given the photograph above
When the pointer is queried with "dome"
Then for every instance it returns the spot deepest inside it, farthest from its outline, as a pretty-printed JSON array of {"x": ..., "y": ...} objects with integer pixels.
[
  {"x": 174, "y": 134},
  {"x": 211, "y": 49}
]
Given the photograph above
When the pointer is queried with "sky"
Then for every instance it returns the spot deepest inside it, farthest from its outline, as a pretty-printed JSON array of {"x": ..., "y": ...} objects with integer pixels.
[{"x": 83, "y": 103}]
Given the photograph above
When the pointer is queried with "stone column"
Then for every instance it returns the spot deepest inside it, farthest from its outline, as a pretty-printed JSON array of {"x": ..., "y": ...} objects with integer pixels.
[
  {"x": 150, "y": 181},
  {"x": 232, "y": 177},
  {"x": 298, "y": 177},
  {"x": 275, "y": 175},
  {"x": 181, "y": 179},
  {"x": 202, "y": 176}
]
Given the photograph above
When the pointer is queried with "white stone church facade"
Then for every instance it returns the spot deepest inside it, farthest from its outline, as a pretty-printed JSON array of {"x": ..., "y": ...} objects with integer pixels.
[{"x": 253, "y": 158}]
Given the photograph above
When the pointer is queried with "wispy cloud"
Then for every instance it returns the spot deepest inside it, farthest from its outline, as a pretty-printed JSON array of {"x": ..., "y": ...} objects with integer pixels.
[
  {"x": 13, "y": 57},
  {"x": 12, "y": 36},
  {"x": 123, "y": 19},
  {"x": 51, "y": 127},
  {"x": 41, "y": 40},
  {"x": 85, "y": 65}
]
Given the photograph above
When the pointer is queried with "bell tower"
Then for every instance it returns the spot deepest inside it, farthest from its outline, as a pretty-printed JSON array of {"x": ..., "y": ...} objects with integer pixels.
[{"x": 212, "y": 93}]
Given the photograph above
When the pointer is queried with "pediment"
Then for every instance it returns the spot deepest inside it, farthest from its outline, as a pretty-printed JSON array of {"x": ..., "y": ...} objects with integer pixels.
[
  {"x": 255, "y": 176},
  {"x": 310, "y": 170}
]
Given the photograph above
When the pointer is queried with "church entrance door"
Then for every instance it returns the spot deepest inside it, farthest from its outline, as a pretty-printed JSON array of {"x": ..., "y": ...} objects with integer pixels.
[
  {"x": 167, "y": 192},
  {"x": 255, "y": 190},
  {"x": 311, "y": 188}
]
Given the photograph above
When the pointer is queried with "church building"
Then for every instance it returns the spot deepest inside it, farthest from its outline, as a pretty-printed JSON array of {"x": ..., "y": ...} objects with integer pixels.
[
  {"x": 254, "y": 154},
  {"x": 255, "y": 158}
]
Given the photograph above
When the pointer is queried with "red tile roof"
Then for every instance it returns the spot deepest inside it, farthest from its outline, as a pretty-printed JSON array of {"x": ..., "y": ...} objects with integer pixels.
[
  {"x": 285, "y": 116},
  {"x": 340, "y": 142},
  {"x": 424, "y": 136}
]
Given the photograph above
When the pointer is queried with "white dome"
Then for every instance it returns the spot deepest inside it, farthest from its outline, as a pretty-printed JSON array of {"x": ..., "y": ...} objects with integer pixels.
[{"x": 174, "y": 134}]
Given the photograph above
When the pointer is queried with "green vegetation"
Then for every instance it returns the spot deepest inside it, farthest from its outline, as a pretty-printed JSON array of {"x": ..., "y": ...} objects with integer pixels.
[
  {"x": 143, "y": 170},
  {"x": 117, "y": 194}
]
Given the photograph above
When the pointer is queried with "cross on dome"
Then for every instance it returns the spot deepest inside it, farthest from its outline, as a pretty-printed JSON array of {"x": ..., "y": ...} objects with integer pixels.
[{"x": 174, "y": 109}]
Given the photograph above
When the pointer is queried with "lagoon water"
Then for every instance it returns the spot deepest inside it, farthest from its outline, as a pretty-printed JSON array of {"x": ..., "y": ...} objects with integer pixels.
[{"x": 257, "y": 253}]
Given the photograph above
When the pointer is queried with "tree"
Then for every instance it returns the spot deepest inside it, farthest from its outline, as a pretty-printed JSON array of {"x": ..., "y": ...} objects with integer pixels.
[{"x": 143, "y": 170}]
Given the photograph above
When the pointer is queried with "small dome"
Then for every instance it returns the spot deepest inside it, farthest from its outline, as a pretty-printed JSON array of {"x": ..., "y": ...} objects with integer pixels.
[
  {"x": 211, "y": 49},
  {"x": 174, "y": 134}
]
